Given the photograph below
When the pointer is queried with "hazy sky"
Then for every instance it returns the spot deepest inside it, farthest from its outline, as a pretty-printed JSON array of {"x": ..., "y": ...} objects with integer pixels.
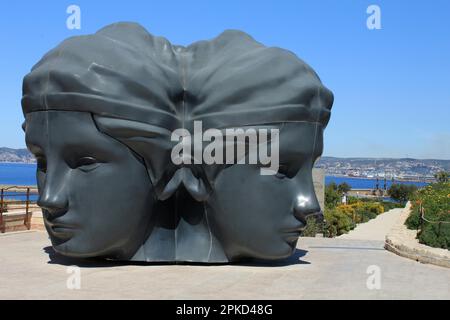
[{"x": 391, "y": 86}]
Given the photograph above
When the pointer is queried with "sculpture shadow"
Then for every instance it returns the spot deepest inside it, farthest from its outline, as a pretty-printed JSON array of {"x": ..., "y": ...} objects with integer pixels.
[
  {"x": 56, "y": 258},
  {"x": 294, "y": 259}
]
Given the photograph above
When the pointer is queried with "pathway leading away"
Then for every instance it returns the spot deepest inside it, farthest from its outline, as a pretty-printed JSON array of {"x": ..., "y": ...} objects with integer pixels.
[{"x": 375, "y": 229}]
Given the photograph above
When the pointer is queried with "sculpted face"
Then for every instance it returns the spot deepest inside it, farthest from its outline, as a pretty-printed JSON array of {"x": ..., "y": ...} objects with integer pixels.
[
  {"x": 95, "y": 192},
  {"x": 261, "y": 216},
  {"x": 100, "y": 112}
]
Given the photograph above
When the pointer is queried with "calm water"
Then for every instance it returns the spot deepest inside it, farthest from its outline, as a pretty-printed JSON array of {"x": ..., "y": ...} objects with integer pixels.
[
  {"x": 18, "y": 174},
  {"x": 25, "y": 174}
]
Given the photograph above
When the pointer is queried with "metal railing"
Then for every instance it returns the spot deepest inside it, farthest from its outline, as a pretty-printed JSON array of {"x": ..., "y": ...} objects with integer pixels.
[
  {"x": 17, "y": 199},
  {"x": 422, "y": 220}
]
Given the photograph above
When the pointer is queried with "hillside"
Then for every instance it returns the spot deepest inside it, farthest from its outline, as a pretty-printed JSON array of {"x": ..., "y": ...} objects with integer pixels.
[
  {"x": 16, "y": 155},
  {"x": 363, "y": 167}
]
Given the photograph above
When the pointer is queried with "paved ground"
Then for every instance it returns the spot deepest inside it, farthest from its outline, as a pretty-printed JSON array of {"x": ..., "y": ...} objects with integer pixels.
[
  {"x": 321, "y": 269},
  {"x": 375, "y": 229}
]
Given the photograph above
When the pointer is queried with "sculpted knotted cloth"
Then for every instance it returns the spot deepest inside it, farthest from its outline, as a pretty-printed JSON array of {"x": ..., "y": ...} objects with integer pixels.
[
  {"x": 133, "y": 83},
  {"x": 123, "y": 71}
]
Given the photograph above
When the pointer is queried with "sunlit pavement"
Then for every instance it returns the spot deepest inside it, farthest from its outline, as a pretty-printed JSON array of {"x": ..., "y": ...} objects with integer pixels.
[
  {"x": 375, "y": 229},
  {"x": 321, "y": 269}
]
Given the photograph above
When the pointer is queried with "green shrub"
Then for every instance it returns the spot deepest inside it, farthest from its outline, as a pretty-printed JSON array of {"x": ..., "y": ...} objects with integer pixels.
[
  {"x": 312, "y": 227},
  {"x": 432, "y": 236},
  {"x": 344, "y": 187},
  {"x": 334, "y": 192},
  {"x": 351, "y": 200},
  {"x": 368, "y": 215},
  {"x": 373, "y": 207},
  {"x": 413, "y": 221},
  {"x": 360, "y": 212},
  {"x": 337, "y": 223},
  {"x": 442, "y": 176},
  {"x": 391, "y": 205},
  {"x": 435, "y": 200},
  {"x": 402, "y": 192},
  {"x": 332, "y": 196}
]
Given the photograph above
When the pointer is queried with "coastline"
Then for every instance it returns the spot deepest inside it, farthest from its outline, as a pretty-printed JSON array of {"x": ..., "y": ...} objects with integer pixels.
[
  {"x": 16, "y": 162},
  {"x": 418, "y": 180}
]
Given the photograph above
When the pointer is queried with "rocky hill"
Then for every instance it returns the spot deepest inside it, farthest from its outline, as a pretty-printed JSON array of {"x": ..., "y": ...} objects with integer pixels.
[{"x": 16, "y": 155}]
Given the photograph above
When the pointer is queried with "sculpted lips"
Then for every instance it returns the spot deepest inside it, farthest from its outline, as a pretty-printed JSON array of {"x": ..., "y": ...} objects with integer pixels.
[
  {"x": 292, "y": 234},
  {"x": 59, "y": 228}
]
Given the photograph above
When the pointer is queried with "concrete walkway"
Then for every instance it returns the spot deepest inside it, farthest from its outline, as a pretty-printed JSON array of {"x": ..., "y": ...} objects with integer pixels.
[
  {"x": 321, "y": 268},
  {"x": 375, "y": 229}
]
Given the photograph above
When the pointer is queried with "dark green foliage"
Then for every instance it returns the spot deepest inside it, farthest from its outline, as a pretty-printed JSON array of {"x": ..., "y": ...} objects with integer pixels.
[
  {"x": 337, "y": 223},
  {"x": 434, "y": 236},
  {"x": 442, "y": 176},
  {"x": 402, "y": 192},
  {"x": 332, "y": 197},
  {"x": 343, "y": 188},
  {"x": 334, "y": 192},
  {"x": 391, "y": 205},
  {"x": 312, "y": 227},
  {"x": 413, "y": 221},
  {"x": 435, "y": 200}
]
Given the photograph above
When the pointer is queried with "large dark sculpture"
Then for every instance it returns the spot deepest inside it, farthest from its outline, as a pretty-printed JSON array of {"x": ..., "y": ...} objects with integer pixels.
[{"x": 100, "y": 110}]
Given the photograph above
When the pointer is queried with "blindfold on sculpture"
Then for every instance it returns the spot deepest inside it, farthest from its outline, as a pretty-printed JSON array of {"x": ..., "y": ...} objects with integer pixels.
[{"x": 124, "y": 72}]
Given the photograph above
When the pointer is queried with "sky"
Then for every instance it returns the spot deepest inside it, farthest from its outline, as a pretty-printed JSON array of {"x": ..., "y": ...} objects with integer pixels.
[{"x": 391, "y": 85}]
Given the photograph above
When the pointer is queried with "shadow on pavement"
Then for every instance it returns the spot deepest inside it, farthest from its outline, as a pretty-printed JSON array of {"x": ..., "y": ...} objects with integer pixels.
[{"x": 56, "y": 258}]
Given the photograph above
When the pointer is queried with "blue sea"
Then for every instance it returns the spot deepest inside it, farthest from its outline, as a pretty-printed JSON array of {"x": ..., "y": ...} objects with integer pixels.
[
  {"x": 18, "y": 174},
  {"x": 25, "y": 174}
]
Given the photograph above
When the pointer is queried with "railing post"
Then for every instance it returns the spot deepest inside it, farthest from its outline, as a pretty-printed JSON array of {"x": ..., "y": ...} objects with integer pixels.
[
  {"x": 419, "y": 227},
  {"x": 27, "y": 214},
  {"x": 422, "y": 217},
  {"x": 2, "y": 227}
]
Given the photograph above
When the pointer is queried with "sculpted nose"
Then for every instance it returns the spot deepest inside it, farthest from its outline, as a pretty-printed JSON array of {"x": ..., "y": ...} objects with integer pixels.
[
  {"x": 53, "y": 198},
  {"x": 306, "y": 205}
]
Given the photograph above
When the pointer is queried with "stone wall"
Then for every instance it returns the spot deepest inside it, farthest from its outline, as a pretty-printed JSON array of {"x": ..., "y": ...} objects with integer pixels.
[{"x": 319, "y": 185}]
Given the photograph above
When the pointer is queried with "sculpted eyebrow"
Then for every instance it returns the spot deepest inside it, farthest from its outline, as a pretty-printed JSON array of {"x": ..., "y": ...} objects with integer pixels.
[{"x": 121, "y": 128}]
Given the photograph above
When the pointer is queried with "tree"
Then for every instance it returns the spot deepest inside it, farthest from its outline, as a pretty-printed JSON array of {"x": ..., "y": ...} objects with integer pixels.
[
  {"x": 332, "y": 196},
  {"x": 344, "y": 187},
  {"x": 402, "y": 192},
  {"x": 442, "y": 176}
]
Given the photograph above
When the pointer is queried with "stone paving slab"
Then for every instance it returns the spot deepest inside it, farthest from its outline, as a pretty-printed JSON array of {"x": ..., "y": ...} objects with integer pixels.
[{"x": 321, "y": 269}]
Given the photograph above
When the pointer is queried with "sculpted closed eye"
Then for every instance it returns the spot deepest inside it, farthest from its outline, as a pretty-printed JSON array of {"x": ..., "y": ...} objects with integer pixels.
[{"x": 87, "y": 164}]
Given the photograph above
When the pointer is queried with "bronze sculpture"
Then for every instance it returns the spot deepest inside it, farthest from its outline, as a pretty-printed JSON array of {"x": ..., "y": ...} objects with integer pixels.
[{"x": 100, "y": 112}]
